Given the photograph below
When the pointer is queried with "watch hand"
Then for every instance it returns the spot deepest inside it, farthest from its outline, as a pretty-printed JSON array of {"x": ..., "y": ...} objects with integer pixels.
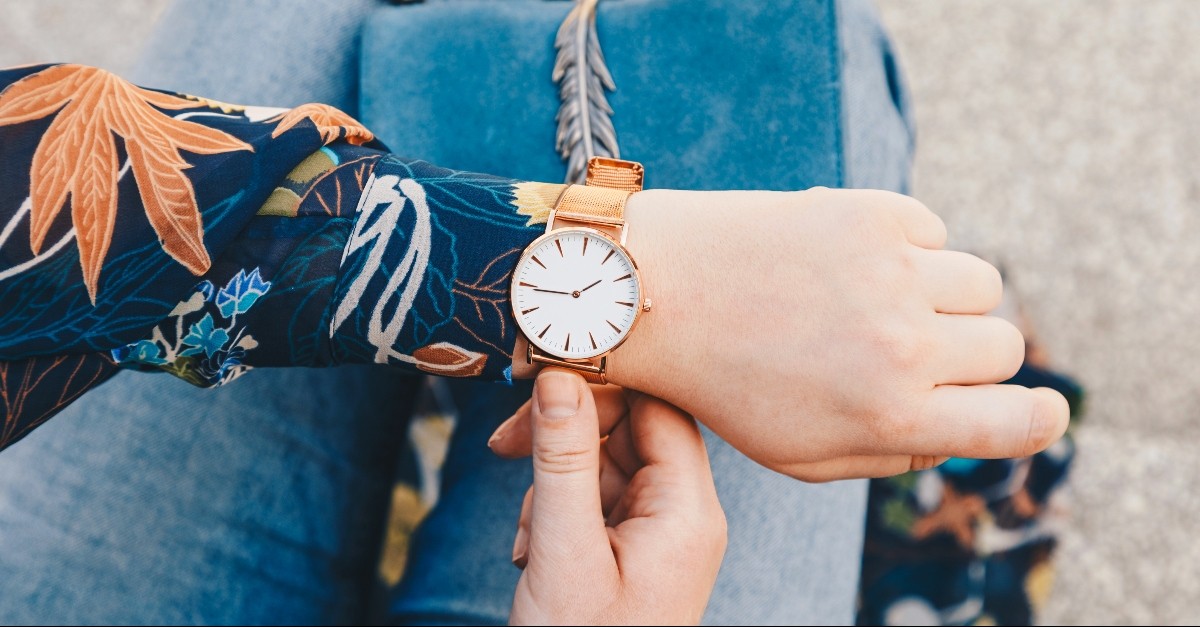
[
  {"x": 590, "y": 286},
  {"x": 538, "y": 289}
]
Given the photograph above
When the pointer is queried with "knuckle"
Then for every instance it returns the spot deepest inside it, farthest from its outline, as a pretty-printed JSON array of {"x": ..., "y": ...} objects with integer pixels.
[
  {"x": 891, "y": 422},
  {"x": 887, "y": 277},
  {"x": 902, "y": 424},
  {"x": 935, "y": 221},
  {"x": 866, "y": 219},
  {"x": 562, "y": 457},
  {"x": 902, "y": 271},
  {"x": 900, "y": 346}
]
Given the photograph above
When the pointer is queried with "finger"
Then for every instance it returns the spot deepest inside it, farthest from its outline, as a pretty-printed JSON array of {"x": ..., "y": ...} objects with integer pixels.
[
  {"x": 986, "y": 422},
  {"x": 520, "y": 552},
  {"x": 976, "y": 349},
  {"x": 664, "y": 436},
  {"x": 613, "y": 481},
  {"x": 860, "y": 467},
  {"x": 621, "y": 449},
  {"x": 566, "y": 510},
  {"x": 513, "y": 439},
  {"x": 921, "y": 226},
  {"x": 958, "y": 283}
]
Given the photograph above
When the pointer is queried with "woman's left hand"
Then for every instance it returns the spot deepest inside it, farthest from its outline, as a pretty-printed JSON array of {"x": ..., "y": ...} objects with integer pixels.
[{"x": 624, "y": 531}]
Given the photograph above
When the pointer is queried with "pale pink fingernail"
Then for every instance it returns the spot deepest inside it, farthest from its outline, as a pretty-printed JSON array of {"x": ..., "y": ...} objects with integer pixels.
[
  {"x": 520, "y": 555},
  {"x": 502, "y": 430}
]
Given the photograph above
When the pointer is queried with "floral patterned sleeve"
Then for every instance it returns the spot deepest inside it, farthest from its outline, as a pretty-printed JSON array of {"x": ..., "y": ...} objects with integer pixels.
[{"x": 156, "y": 231}]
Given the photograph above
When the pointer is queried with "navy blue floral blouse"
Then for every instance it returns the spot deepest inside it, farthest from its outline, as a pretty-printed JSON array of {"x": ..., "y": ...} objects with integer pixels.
[{"x": 157, "y": 231}]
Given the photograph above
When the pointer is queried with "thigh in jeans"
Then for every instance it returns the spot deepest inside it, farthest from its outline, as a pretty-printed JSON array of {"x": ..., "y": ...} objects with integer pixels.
[{"x": 151, "y": 501}]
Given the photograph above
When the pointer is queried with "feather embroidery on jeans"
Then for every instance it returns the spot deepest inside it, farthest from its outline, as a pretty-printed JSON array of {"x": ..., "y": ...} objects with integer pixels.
[{"x": 585, "y": 129}]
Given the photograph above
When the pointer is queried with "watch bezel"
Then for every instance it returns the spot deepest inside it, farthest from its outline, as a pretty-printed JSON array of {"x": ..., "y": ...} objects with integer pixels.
[{"x": 533, "y": 339}]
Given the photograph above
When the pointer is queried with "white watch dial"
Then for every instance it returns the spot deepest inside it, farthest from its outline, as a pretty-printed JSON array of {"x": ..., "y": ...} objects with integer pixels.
[{"x": 576, "y": 294}]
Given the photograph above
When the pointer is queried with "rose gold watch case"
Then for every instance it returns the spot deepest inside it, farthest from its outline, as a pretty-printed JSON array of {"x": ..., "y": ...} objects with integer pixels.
[{"x": 642, "y": 300}]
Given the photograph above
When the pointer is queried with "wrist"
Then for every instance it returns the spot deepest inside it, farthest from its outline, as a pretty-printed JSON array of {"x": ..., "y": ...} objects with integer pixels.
[
  {"x": 647, "y": 360},
  {"x": 635, "y": 355}
]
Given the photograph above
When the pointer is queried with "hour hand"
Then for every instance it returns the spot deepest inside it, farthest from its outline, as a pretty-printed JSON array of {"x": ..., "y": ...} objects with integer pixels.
[{"x": 591, "y": 286}]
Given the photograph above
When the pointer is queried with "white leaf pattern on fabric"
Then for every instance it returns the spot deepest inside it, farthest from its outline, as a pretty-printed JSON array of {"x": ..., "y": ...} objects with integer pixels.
[{"x": 380, "y": 208}]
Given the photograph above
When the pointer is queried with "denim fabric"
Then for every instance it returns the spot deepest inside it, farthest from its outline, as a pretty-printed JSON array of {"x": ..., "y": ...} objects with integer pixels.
[
  {"x": 878, "y": 129},
  {"x": 153, "y": 501},
  {"x": 279, "y": 53},
  {"x": 262, "y": 502}
]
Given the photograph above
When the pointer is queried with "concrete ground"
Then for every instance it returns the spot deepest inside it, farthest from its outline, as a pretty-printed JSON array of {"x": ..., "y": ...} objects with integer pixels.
[{"x": 1056, "y": 138}]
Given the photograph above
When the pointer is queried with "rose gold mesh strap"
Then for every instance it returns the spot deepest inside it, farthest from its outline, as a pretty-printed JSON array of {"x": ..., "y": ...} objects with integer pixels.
[
  {"x": 615, "y": 174},
  {"x": 592, "y": 370},
  {"x": 586, "y": 202},
  {"x": 610, "y": 183}
]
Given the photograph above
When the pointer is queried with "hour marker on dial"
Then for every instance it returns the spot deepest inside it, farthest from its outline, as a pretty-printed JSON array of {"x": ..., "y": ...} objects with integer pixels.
[
  {"x": 559, "y": 244},
  {"x": 528, "y": 311},
  {"x": 538, "y": 261},
  {"x": 594, "y": 347},
  {"x": 624, "y": 303},
  {"x": 585, "y": 246},
  {"x": 614, "y": 327},
  {"x": 567, "y": 345},
  {"x": 610, "y": 254},
  {"x": 543, "y": 333},
  {"x": 627, "y": 276}
]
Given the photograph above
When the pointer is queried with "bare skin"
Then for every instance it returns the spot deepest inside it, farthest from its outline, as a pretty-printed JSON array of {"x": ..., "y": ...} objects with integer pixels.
[
  {"x": 624, "y": 531},
  {"x": 827, "y": 336}
]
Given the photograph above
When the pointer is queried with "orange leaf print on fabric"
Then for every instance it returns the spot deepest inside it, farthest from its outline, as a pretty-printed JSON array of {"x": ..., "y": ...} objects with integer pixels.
[
  {"x": 448, "y": 360},
  {"x": 331, "y": 122},
  {"x": 77, "y": 159}
]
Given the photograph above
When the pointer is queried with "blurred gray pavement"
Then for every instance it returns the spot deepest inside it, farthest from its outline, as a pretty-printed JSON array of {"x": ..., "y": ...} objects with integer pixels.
[{"x": 1060, "y": 139}]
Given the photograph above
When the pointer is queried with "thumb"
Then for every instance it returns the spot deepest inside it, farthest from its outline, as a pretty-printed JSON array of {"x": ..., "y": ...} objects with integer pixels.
[{"x": 566, "y": 514}]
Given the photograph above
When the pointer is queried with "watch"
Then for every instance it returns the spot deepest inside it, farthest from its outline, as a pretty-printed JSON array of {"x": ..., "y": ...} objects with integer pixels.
[{"x": 576, "y": 291}]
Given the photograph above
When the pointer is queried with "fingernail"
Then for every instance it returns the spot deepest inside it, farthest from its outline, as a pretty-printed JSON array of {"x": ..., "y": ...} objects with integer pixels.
[
  {"x": 557, "y": 394},
  {"x": 520, "y": 555},
  {"x": 502, "y": 430}
]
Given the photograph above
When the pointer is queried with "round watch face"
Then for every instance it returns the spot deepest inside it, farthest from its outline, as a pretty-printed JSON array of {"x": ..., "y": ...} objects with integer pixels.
[{"x": 576, "y": 293}]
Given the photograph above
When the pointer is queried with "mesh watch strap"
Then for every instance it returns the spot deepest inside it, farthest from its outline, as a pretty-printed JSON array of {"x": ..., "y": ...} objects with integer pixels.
[
  {"x": 601, "y": 202},
  {"x": 615, "y": 174}
]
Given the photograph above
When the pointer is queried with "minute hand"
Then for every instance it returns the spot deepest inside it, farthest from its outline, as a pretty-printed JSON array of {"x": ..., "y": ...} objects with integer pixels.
[
  {"x": 590, "y": 286},
  {"x": 538, "y": 289}
]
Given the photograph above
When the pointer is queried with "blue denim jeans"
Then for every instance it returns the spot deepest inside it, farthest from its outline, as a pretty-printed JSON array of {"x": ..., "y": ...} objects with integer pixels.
[{"x": 150, "y": 501}]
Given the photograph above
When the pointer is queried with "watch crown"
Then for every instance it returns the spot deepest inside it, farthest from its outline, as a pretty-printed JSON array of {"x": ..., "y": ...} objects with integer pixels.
[{"x": 646, "y": 305}]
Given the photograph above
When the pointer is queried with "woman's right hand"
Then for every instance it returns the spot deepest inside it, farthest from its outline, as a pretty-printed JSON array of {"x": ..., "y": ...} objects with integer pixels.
[
  {"x": 624, "y": 531},
  {"x": 825, "y": 334}
]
